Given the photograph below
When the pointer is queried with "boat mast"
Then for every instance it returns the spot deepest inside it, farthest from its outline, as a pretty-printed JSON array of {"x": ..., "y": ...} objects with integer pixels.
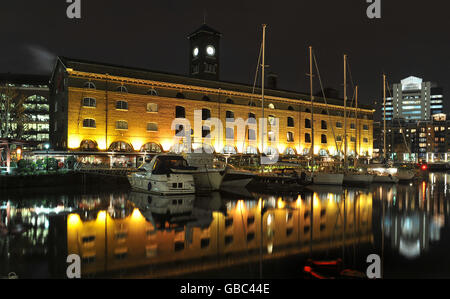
[
  {"x": 384, "y": 116},
  {"x": 262, "y": 86},
  {"x": 312, "y": 106},
  {"x": 358, "y": 138},
  {"x": 345, "y": 111}
]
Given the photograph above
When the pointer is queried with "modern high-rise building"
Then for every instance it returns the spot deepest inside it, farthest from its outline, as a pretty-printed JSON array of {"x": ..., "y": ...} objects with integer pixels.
[{"x": 413, "y": 100}]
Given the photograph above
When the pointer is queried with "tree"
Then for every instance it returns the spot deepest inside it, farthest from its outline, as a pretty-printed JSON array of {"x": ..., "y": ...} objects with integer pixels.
[{"x": 12, "y": 112}]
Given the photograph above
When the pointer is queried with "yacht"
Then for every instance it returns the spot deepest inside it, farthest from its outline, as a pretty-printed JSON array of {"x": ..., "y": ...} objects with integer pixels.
[
  {"x": 236, "y": 178},
  {"x": 323, "y": 178},
  {"x": 164, "y": 175},
  {"x": 207, "y": 175},
  {"x": 358, "y": 178}
]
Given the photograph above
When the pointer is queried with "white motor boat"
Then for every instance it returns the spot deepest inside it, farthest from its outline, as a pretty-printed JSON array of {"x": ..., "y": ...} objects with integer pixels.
[
  {"x": 383, "y": 174},
  {"x": 164, "y": 175},
  {"x": 354, "y": 178},
  {"x": 325, "y": 178},
  {"x": 207, "y": 177}
]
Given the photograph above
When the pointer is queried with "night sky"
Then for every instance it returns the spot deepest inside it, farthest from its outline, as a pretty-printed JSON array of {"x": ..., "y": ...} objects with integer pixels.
[{"x": 411, "y": 38}]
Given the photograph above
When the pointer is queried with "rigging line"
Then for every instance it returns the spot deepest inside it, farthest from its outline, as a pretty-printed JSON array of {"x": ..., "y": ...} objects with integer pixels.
[
  {"x": 325, "y": 98},
  {"x": 253, "y": 92}
]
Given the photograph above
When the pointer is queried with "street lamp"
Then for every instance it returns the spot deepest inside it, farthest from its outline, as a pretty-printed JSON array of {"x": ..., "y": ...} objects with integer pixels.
[{"x": 47, "y": 146}]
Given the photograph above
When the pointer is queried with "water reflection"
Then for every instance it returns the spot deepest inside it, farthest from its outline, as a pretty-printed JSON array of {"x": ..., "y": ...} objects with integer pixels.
[{"x": 139, "y": 235}]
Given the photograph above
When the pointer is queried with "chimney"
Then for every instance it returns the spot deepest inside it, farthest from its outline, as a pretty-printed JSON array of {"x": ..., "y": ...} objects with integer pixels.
[{"x": 272, "y": 80}]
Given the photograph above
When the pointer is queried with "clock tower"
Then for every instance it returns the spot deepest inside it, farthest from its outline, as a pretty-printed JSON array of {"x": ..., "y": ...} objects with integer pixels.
[{"x": 204, "y": 53}]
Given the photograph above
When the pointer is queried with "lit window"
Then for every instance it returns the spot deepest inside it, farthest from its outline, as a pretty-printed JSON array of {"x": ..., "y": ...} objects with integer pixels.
[
  {"x": 122, "y": 88},
  {"x": 89, "y": 102},
  {"x": 152, "y": 127},
  {"x": 152, "y": 107},
  {"x": 121, "y": 105},
  {"x": 89, "y": 123},
  {"x": 121, "y": 125},
  {"x": 290, "y": 137},
  {"x": 89, "y": 85}
]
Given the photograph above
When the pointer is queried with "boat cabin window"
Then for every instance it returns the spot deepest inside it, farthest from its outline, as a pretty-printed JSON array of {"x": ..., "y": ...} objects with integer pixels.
[{"x": 164, "y": 164}]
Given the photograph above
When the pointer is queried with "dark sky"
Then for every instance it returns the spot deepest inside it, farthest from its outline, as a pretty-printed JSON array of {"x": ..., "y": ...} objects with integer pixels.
[{"x": 411, "y": 38}]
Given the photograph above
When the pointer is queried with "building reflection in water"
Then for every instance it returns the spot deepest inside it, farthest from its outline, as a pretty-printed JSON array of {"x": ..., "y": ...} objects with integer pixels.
[
  {"x": 179, "y": 235},
  {"x": 414, "y": 215}
]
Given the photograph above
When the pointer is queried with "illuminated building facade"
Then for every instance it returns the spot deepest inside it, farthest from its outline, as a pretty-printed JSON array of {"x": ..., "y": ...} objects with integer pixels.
[
  {"x": 35, "y": 91},
  {"x": 204, "y": 240},
  {"x": 413, "y": 100},
  {"x": 111, "y": 108}
]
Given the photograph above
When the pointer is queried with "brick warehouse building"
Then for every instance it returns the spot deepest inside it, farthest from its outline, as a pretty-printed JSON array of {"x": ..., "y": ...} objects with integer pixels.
[{"x": 96, "y": 106}]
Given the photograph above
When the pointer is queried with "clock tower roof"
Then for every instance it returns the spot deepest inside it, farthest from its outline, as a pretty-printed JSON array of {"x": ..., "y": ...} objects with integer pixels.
[{"x": 206, "y": 29}]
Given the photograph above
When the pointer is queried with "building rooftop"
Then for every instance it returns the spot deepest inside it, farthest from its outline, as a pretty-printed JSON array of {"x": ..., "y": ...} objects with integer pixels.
[{"x": 145, "y": 74}]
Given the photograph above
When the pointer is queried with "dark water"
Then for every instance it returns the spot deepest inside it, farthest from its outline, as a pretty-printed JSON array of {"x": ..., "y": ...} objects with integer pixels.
[{"x": 127, "y": 234}]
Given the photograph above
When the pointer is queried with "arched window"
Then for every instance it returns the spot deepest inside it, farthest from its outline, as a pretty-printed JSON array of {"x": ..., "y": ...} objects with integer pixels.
[
  {"x": 290, "y": 108},
  {"x": 339, "y": 138},
  {"x": 251, "y": 118},
  {"x": 89, "y": 102},
  {"x": 120, "y": 146},
  {"x": 88, "y": 145},
  {"x": 290, "y": 137},
  {"x": 251, "y": 150},
  {"x": 206, "y": 132},
  {"x": 152, "y": 107},
  {"x": 307, "y": 123},
  {"x": 230, "y": 101},
  {"x": 180, "y": 95},
  {"x": 151, "y": 147},
  {"x": 121, "y": 125},
  {"x": 179, "y": 130},
  {"x": 180, "y": 112},
  {"x": 229, "y": 149},
  {"x": 323, "y": 138},
  {"x": 122, "y": 105},
  {"x": 229, "y": 133},
  {"x": 307, "y": 138},
  {"x": 271, "y": 136},
  {"x": 152, "y": 92},
  {"x": 89, "y": 123},
  {"x": 229, "y": 115},
  {"x": 152, "y": 127},
  {"x": 290, "y": 122},
  {"x": 89, "y": 85},
  {"x": 352, "y": 126},
  {"x": 323, "y": 152},
  {"x": 271, "y": 106},
  {"x": 324, "y": 125},
  {"x": 290, "y": 151},
  {"x": 271, "y": 151},
  {"x": 251, "y": 134},
  {"x": 206, "y": 114},
  {"x": 122, "y": 88},
  {"x": 271, "y": 120}
]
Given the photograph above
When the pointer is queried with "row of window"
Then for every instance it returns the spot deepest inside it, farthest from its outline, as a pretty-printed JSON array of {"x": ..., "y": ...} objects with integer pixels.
[
  {"x": 179, "y": 95},
  {"x": 120, "y": 125}
]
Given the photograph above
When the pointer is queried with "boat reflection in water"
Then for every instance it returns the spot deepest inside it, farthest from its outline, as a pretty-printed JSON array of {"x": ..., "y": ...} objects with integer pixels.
[
  {"x": 223, "y": 235},
  {"x": 209, "y": 233}
]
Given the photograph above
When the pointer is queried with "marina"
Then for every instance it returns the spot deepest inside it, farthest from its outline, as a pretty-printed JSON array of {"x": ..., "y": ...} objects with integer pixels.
[{"x": 218, "y": 234}]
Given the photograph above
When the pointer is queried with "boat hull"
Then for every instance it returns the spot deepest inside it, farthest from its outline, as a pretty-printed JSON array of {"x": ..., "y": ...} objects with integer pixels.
[
  {"x": 174, "y": 184},
  {"x": 328, "y": 178},
  {"x": 385, "y": 179},
  {"x": 358, "y": 179}
]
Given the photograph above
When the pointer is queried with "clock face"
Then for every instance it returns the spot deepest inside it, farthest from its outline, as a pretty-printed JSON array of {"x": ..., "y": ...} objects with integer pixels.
[
  {"x": 210, "y": 50},
  {"x": 195, "y": 52}
]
